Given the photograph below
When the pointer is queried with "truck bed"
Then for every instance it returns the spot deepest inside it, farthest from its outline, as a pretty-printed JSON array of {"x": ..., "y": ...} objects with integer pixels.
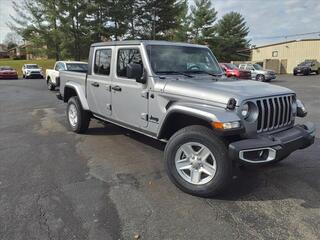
[{"x": 74, "y": 77}]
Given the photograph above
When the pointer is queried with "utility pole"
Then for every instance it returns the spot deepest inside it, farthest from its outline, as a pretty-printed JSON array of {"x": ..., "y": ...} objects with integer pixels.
[{"x": 155, "y": 18}]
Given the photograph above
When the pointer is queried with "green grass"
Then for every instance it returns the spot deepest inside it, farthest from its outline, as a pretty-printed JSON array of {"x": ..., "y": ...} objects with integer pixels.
[{"x": 17, "y": 64}]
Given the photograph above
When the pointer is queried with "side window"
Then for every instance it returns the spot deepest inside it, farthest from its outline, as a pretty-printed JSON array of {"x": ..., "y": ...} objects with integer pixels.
[
  {"x": 102, "y": 61},
  {"x": 125, "y": 57}
]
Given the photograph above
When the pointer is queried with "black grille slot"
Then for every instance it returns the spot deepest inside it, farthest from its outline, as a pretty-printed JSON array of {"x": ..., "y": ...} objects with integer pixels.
[{"x": 274, "y": 113}]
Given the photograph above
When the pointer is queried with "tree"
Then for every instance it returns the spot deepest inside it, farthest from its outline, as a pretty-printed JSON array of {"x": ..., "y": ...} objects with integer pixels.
[
  {"x": 231, "y": 36},
  {"x": 158, "y": 18},
  {"x": 203, "y": 16},
  {"x": 181, "y": 33},
  {"x": 38, "y": 24},
  {"x": 74, "y": 26},
  {"x": 12, "y": 39}
]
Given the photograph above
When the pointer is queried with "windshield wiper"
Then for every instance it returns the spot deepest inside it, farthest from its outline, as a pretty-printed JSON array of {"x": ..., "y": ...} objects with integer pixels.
[
  {"x": 175, "y": 72},
  {"x": 206, "y": 72}
]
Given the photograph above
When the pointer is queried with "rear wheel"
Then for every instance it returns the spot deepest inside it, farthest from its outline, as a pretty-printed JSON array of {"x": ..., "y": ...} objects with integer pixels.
[
  {"x": 196, "y": 161},
  {"x": 78, "y": 118},
  {"x": 260, "y": 78},
  {"x": 318, "y": 71}
]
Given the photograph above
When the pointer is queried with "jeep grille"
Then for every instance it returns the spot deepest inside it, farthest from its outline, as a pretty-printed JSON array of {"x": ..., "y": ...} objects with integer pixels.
[{"x": 274, "y": 113}]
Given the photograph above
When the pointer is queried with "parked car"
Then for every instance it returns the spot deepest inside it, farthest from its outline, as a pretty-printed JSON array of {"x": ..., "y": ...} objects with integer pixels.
[
  {"x": 307, "y": 67},
  {"x": 32, "y": 71},
  {"x": 258, "y": 73},
  {"x": 176, "y": 93},
  {"x": 52, "y": 75},
  {"x": 7, "y": 72},
  {"x": 232, "y": 70}
]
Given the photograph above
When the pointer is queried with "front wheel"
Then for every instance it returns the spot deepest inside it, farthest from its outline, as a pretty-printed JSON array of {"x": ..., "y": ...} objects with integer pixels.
[
  {"x": 260, "y": 78},
  {"x": 197, "y": 162},
  {"x": 78, "y": 118}
]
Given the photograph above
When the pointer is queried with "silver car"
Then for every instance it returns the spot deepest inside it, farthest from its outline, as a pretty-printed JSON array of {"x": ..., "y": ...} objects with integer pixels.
[
  {"x": 259, "y": 73},
  {"x": 178, "y": 94}
]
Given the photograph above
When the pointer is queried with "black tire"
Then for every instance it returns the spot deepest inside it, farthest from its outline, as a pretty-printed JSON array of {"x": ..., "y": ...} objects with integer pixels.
[
  {"x": 83, "y": 117},
  {"x": 260, "y": 78},
  {"x": 294, "y": 73},
  {"x": 50, "y": 85},
  {"x": 206, "y": 137},
  {"x": 318, "y": 71}
]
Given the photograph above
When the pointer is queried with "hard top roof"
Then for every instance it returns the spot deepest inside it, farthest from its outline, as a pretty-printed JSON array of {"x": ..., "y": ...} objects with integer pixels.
[{"x": 144, "y": 42}]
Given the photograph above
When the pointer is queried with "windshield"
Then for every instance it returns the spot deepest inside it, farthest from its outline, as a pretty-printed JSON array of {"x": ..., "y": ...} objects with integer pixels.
[
  {"x": 77, "y": 67},
  {"x": 33, "y": 66},
  {"x": 257, "y": 67},
  {"x": 5, "y": 68},
  {"x": 231, "y": 66},
  {"x": 304, "y": 64},
  {"x": 182, "y": 59}
]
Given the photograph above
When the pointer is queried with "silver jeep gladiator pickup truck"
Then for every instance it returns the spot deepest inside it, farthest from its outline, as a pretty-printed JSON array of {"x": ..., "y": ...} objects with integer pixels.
[{"x": 177, "y": 93}]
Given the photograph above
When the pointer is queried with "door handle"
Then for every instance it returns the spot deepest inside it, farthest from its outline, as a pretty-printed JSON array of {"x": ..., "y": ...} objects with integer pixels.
[
  {"x": 95, "y": 84},
  {"x": 116, "y": 88}
]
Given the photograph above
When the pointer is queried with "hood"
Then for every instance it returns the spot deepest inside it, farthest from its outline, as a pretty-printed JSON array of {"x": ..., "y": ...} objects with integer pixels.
[
  {"x": 33, "y": 69},
  {"x": 222, "y": 90},
  {"x": 8, "y": 71},
  {"x": 302, "y": 67}
]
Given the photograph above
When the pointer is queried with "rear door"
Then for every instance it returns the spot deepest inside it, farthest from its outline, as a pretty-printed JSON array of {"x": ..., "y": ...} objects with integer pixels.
[
  {"x": 99, "y": 82},
  {"x": 129, "y": 98},
  {"x": 250, "y": 68}
]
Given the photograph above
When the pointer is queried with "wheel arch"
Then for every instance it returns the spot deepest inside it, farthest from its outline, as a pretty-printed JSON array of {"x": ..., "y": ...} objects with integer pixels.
[
  {"x": 179, "y": 116},
  {"x": 74, "y": 89}
]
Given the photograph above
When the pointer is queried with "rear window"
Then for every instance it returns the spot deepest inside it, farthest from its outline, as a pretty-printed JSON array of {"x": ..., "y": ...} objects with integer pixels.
[{"x": 77, "y": 67}]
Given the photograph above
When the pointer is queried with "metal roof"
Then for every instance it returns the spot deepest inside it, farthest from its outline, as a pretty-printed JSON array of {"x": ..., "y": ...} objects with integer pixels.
[
  {"x": 143, "y": 42},
  {"x": 291, "y": 41}
]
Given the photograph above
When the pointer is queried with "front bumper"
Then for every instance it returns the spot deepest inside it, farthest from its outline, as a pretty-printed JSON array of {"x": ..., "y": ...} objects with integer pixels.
[
  {"x": 34, "y": 75},
  {"x": 267, "y": 148},
  {"x": 270, "y": 76}
]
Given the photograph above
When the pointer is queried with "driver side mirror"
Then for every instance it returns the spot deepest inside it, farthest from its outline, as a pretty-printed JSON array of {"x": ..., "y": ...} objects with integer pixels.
[{"x": 135, "y": 71}]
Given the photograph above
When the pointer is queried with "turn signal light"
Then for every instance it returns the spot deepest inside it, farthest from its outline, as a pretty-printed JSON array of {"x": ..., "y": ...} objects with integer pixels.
[{"x": 226, "y": 125}]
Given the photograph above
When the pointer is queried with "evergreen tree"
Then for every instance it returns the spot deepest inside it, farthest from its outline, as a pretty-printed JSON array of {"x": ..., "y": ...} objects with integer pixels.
[
  {"x": 203, "y": 16},
  {"x": 74, "y": 26},
  {"x": 181, "y": 33},
  {"x": 158, "y": 18},
  {"x": 231, "y": 36}
]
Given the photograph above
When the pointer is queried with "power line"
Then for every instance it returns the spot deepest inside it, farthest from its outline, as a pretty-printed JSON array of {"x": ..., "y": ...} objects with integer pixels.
[{"x": 287, "y": 36}]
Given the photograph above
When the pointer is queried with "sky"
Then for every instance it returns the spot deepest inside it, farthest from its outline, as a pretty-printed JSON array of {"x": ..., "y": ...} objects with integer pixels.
[{"x": 268, "y": 20}]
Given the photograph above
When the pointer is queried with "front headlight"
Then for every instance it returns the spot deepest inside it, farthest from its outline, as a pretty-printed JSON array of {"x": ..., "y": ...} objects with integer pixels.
[
  {"x": 245, "y": 110},
  {"x": 249, "y": 111}
]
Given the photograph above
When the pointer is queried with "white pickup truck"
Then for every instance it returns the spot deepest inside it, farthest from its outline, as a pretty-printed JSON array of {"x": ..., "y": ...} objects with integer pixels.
[{"x": 53, "y": 75}]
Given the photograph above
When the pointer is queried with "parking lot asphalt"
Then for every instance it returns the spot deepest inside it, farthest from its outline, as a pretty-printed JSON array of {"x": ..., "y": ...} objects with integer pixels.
[{"x": 110, "y": 183}]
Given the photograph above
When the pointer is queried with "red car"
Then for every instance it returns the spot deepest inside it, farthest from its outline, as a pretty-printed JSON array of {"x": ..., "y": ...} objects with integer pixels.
[
  {"x": 8, "y": 73},
  {"x": 233, "y": 71}
]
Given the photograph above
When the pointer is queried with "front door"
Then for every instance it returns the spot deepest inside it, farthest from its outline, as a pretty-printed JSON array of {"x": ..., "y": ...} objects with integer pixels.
[
  {"x": 99, "y": 82},
  {"x": 129, "y": 98}
]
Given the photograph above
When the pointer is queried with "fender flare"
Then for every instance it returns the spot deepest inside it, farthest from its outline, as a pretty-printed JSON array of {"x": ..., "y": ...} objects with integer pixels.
[
  {"x": 201, "y": 111},
  {"x": 80, "y": 93}
]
